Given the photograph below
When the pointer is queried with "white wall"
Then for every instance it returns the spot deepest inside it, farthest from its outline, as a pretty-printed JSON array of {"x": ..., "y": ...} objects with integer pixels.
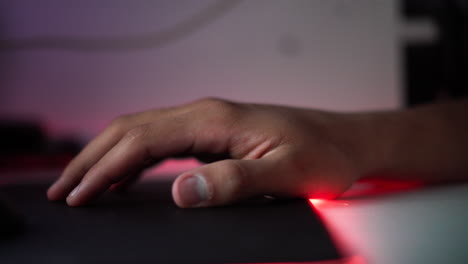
[{"x": 333, "y": 54}]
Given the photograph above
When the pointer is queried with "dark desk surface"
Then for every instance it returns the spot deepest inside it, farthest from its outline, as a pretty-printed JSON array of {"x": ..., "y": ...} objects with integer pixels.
[{"x": 144, "y": 225}]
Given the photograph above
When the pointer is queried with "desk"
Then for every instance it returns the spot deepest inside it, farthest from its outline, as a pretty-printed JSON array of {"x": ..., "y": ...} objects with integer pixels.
[
  {"x": 145, "y": 226},
  {"x": 423, "y": 225},
  {"x": 420, "y": 225}
]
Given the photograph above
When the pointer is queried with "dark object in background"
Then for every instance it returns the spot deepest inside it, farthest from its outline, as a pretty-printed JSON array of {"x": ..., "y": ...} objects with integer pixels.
[
  {"x": 21, "y": 137},
  {"x": 11, "y": 223},
  {"x": 25, "y": 145},
  {"x": 145, "y": 226},
  {"x": 437, "y": 70}
]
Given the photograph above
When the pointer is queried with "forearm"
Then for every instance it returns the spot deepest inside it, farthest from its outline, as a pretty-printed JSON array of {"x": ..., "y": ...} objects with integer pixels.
[{"x": 428, "y": 142}]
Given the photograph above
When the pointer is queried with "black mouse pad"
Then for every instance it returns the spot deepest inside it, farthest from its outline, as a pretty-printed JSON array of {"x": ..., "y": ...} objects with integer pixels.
[{"x": 145, "y": 226}]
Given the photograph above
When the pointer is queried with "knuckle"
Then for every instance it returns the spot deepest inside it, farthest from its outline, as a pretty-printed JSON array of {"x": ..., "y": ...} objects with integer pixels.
[
  {"x": 137, "y": 133},
  {"x": 218, "y": 110},
  {"x": 215, "y": 103},
  {"x": 210, "y": 100},
  {"x": 120, "y": 122}
]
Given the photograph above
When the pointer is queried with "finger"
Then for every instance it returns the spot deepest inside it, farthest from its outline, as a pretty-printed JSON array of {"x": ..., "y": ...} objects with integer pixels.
[
  {"x": 97, "y": 148},
  {"x": 126, "y": 183},
  {"x": 209, "y": 129},
  {"x": 132, "y": 178},
  {"x": 140, "y": 146},
  {"x": 81, "y": 163},
  {"x": 227, "y": 181}
]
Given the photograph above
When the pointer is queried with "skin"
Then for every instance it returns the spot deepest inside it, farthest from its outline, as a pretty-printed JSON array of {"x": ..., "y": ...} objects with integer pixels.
[{"x": 268, "y": 149}]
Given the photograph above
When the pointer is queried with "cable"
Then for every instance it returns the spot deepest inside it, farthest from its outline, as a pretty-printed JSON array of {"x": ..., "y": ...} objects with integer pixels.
[{"x": 123, "y": 43}]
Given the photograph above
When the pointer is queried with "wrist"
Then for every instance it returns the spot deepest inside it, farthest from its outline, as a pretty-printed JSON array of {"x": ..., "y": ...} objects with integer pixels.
[{"x": 370, "y": 139}]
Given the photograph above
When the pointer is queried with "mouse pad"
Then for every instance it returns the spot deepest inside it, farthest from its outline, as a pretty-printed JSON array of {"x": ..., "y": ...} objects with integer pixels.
[{"x": 144, "y": 225}]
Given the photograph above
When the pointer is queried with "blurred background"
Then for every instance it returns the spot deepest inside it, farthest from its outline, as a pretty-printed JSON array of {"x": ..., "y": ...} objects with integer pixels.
[{"x": 68, "y": 68}]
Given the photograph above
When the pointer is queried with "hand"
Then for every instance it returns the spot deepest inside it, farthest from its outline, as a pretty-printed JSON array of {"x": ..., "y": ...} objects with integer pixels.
[{"x": 272, "y": 150}]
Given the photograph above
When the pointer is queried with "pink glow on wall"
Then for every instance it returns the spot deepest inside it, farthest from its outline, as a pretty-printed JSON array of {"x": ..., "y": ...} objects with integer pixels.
[{"x": 322, "y": 54}]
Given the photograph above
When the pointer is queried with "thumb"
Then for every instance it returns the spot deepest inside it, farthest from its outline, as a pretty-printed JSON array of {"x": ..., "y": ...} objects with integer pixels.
[{"x": 226, "y": 181}]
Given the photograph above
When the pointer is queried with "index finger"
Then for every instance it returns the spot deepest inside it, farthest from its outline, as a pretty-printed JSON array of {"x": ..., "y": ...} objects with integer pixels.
[{"x": 199, "y": 131}]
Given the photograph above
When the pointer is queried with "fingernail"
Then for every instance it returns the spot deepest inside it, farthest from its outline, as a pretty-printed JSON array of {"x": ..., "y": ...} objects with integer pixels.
[
  {"x": 75, "y": 191},
  {"x": 194, "y": 190}
]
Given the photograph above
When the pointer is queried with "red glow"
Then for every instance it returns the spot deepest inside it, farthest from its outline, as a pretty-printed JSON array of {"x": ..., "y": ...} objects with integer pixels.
[
  {"x": 316, "y": 202},
  {"x": 173, "y": 167},
  {"x": 352, "y": 258},
  {"x": 355, "y": 260},
  {"x": 364, "y": 190},
  {"x": 340, "y": 215},
  {"x": 319, "y": 206},
  {"x": 322, "y": 208},
  {"x": 376, "y": 187}
]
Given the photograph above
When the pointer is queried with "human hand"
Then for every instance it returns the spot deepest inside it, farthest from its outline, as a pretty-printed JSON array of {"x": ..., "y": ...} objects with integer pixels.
[{"x": 273, "y": 150}]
